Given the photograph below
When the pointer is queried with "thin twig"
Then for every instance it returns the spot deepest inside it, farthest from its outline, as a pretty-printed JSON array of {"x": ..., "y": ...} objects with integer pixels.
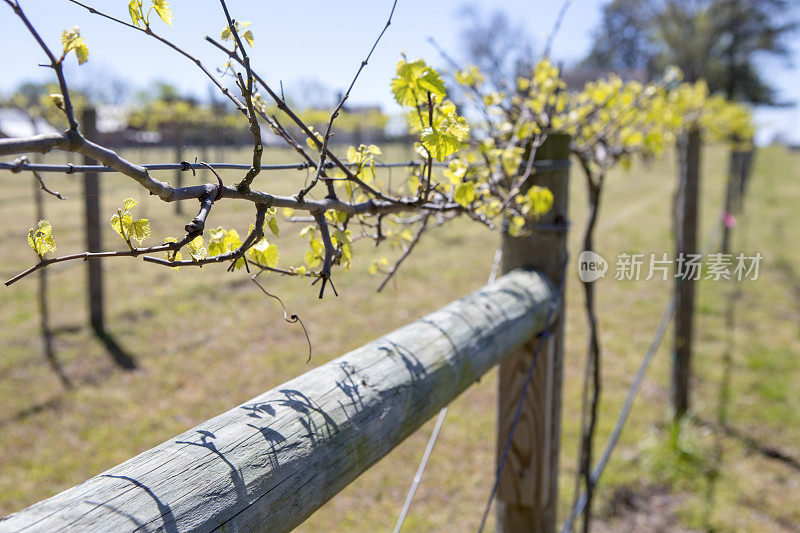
[
  {"x": 406, "y": 253},
  {"x": 288, "y": 317}
]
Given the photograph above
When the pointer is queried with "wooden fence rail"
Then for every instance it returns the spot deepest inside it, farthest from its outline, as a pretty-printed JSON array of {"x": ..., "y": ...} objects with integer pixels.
[{"x": 268, "y": 464}]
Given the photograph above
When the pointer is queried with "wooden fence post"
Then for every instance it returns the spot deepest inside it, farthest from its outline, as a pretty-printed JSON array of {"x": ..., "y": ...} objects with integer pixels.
[
  {"x": 527, "y": 495},
  {"x": 91, "y": 191},
  {"x": 44, "y": 309},
  {"x": 685, "y": 246},
  {"x": 733, "y": 190}
]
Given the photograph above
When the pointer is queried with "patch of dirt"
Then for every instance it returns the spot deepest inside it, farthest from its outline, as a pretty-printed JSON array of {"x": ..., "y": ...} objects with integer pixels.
[{"x": 641, "y": 508}]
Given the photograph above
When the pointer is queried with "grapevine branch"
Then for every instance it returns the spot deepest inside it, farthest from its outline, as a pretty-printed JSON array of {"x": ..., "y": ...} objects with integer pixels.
[{"x": 364, "y": 200}]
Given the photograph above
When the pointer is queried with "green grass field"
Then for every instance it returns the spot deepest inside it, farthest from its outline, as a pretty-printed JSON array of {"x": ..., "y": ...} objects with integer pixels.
[{"x": 207, "y": 340}]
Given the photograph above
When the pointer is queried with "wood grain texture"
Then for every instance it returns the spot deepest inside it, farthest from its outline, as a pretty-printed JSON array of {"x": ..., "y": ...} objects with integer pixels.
[
  {"x": 267, "y": 464},
  {"x": 527, "y": 494}
]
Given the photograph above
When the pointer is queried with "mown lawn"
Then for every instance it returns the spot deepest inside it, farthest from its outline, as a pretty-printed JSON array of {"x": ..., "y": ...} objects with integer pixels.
[{"x": 206, "y": 340}]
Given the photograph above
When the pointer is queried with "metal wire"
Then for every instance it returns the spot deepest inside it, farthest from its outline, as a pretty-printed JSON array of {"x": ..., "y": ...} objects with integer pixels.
[
  {"x": 498, "y": 255},
  {"x": 541, "y": 166},
  {"x": 622, "y": 417},
  {"x": 420, "y": 470}
]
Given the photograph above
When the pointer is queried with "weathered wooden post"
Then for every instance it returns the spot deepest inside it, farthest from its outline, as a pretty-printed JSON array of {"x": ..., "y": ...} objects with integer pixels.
[
  {"x": 747, "y": 167},
  {"x": 527, "y": 494},
  {"x": 686, "y": 206},
  {"x": 733, "y": 191},
  {"x": 44, "y": 309},
  {"x": 91, "y": 192}
]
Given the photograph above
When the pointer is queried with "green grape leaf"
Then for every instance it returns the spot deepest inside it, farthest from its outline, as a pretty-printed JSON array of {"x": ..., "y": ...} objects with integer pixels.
[
  {"x": 445, "y": 136},
  {"x": 231, "y": 241},
  {"x": 135, "y": 11},
  {"x": 172, "y": 255},
  {"x": 226, "y": 34},
  {"x": 413, "y": 81},
  {"x": 73, "y": 41},
  {"x": 248, "y": 36},
  {"x": 41, "y": 239},
  {"x": 539, "y": 200},
  {"x": 163, "y": 10},
  {"x": 273, "y": 226},
  {"x": 197, "y": 248},
  {"x": 264, "y": 253},
  {"x": 464, "y": 193},
  {"x": 312, "y": 260},
  {"x": 129, "y": 204},
  {"x": 122, "y": 225},
  {"x": 440, "y": 145},
  {"x": 140, "y": 229}
]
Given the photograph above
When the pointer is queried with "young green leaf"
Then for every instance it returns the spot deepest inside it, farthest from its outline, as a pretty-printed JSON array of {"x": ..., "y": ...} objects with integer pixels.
[
  {"x": 440, "y": 145},
  {"x": 73, "y": 41},
  {"x": 248, "y": 36},
  {"x": 273, "y": 226},
  {"x": 465, "y": 193},
  {"x": 163, "y": 10},
  {"x": 226, "y": 34},
  {"x": 197, "y": 248},
  {"x": 122, "y": 224},
  {"x": 41, "y": 239},
  {"x": 413, "y": 81},
  {"x": 172, "y": 255},
  {"x": 140, "y": 229},
  {"x": 135, "y": 11},
  {"x": 539, "y": 200},
  {"x": 264, "y": 253}
]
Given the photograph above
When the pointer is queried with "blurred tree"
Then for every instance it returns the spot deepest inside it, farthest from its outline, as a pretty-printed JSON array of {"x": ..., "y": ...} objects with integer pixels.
[
  {"x": 719, "y": 40},
  {"x": 503, "y": 52},
  {"x": 311, "y": 93},
  {"x": 34, "y": 99},
  {"x": 750, "y": 27},
  {"x": 624, "y": 40}
]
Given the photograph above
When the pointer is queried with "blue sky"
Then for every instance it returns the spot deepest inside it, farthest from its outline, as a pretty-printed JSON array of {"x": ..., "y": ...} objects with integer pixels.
[{"x": 294, "y": 40}]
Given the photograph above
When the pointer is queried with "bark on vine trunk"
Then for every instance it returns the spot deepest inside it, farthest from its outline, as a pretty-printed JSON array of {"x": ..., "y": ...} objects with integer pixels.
[
  {"x": 590, "y": 398},
  {"x": 685, "y": 246}
]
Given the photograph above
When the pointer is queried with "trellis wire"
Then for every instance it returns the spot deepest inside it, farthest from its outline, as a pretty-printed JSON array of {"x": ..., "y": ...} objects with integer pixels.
[
  {"x": 420, "y": 470},
  {"x": 543, "y": 165},
  {"x": 498, "y": 255},
  {"x": 622, "y": 417},
  {"x": 518, "y": 414}
]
